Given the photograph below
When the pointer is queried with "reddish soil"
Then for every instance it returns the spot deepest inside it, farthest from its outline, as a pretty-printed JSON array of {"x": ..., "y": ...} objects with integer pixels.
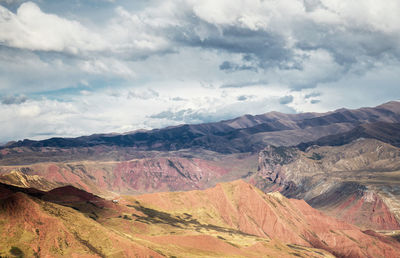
[{"x": 243, "y": 207}]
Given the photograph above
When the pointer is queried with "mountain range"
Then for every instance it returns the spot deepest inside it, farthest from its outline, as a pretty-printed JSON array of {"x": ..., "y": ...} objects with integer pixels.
[{"x": 310, "y": 184}]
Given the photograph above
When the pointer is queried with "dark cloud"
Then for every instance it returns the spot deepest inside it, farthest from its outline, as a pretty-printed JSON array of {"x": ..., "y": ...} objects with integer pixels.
[
  {"x": 10, "y": 100},
  {"x": 227, "y": 66},
  {"x": 165, "y": 114},
  {"x": 244, "y": 84},
  {"x": 350, "y": 47},
  {"x": 353, "y": 48},
  {"x": 315, "y": 101},
  {"x": 286, "y": 100},
  {"x": 312, "y": 94},
  {"x": 232, "y": 67},
  {"x": 267, "y": 47},
  {"x": 242, "y": 98}
]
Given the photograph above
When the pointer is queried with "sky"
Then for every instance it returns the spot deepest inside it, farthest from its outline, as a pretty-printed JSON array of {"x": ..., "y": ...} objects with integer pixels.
[{"x": 74, "y": 67}]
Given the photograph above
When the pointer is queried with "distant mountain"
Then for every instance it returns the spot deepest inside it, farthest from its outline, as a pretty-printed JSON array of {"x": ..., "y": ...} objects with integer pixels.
[
  {"x": 385, "y": 132},
  {"x": 145, "y": 175},
  {"x": 230, "y": 220},
  {"x": 244, "y": 134}
]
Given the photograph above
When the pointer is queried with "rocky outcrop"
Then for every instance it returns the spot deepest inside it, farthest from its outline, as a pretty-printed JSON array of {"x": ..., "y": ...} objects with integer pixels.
[
  {"x": 350, "y": 181},
  {"x": 270, "y": 161},
  {"x": 18, "y": 178}
]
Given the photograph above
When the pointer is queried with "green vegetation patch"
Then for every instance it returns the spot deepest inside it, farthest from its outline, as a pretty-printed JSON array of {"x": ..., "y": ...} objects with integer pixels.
[
  {"x": 16, "y": 251},
  {"x": 396, "y": 237}
]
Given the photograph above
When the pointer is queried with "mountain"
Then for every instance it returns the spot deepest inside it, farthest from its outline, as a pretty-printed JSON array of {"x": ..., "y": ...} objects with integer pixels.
[
  {"x": 151, "y": 161},
  {"x": 170, "y": 173},
  {"x": 244, "y": 134},
  {"x": 232, "y": 219},
  {"x": 386, "y": 132},
  {"x": 32, "y": 227},
  {"x": 357, "y": 182},
  {"x": 345, "y": 163}
]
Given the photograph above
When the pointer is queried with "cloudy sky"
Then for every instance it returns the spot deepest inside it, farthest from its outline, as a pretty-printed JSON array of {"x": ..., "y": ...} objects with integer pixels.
[{"x": 75, "y": 67}]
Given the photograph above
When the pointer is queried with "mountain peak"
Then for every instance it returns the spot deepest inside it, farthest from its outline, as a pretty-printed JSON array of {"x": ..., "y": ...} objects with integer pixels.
[{"x": 393, "y": 106}]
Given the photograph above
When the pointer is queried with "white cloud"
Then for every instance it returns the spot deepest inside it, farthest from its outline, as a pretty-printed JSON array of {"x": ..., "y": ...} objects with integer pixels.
[
  {"x": 107, "y": 66},
  {"x": 131, "y": 33},
  {"x": 366, "y": 14},
  {"x": 251, "y": 14},
  {"x": 174, "y": 56},
  {"x": 126, "y": 110},
  {"x": 30, "y": 28}
]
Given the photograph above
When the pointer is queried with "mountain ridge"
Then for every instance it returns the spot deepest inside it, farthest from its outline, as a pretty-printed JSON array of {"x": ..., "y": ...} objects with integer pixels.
[{"x": 273, "y": 121}]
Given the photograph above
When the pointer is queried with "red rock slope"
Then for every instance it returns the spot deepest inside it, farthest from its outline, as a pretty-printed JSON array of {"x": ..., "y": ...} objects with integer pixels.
[
  {"x": 46, "y": 226},
  {"x": 230, "y": 220},
  {"x": 243, "y": 207}
]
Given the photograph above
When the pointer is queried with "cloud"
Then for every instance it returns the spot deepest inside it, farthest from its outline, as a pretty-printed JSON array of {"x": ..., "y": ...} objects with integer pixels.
[
  {"x": 32, "y": 29},
  {"x": 26, "y": 72},
  {"x": 242, "y": 98},
  {"x": 143, "y": 94},
  {"x": 312, "y": 94},
  {"x": 305, "y": 43},
  {"x": 178, "y": 99},
  {"x": 122, "y": 110},
  {"x": 296, "y": 43},
  {"x": 82, "y": 65},
  {"x": 10, "y": 100},
  {"x": 107, "y": 66},
  {"x": 231, "y": 67},
  {"x": 244, "y": 84},
  {"x": 185, "y": 115},
  {"x": 11, "y": 1},
  {"x": 286, "y": 100}
]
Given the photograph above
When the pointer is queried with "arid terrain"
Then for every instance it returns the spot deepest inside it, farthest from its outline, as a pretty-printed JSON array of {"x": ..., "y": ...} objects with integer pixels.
[
  {"x": 308, "y": 185},
  {"x": 232, "y": 219}
]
